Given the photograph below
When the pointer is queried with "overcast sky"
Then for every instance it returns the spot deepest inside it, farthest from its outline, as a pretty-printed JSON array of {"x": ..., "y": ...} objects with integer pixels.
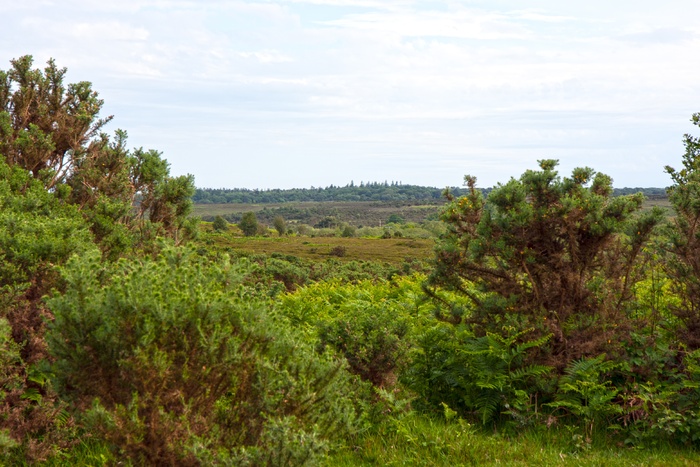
[{"x": 300, "y": 93}]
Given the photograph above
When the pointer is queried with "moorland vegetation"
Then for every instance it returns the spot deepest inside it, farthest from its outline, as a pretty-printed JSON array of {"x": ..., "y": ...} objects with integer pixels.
[{"x": 554, "y": 322}]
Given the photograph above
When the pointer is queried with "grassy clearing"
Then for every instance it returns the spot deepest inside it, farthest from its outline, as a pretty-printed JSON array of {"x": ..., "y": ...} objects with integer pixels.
[
  {"x": 357, "y": 213},
  {"x": 420, "y": 441},
  {"x": 662, "y": 203},
  {"x": 389, "y": 250}
]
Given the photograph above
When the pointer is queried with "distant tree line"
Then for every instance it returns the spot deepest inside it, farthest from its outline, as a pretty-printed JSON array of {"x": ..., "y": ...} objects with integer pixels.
[
  {"x": 374, "y": 191},
  {"x": 371, "y": 191}
]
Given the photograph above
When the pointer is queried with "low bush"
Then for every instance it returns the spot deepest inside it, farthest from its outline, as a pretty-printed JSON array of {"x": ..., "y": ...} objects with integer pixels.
[
  {"x": 172, "y": 362},
  {"x": 372, "y": 324}
]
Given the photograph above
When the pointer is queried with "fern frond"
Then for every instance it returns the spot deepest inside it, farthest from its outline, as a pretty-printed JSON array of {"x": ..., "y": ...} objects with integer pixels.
[{"x": 529, "y": 371}]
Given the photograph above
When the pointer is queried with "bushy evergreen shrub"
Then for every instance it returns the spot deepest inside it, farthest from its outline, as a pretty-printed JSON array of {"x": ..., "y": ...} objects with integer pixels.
[
  {"x": 557, "y": 255},
  {"x": 38, "y": 232},
  {"x": 174, "y": 361}
]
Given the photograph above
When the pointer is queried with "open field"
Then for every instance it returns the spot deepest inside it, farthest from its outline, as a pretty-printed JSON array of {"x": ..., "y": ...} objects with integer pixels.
[
  {"x": 372, "y": 213},
  {"x": 389, "y": 250},
  {"x": 663, "y": 203},
  {"x": 357, "y": 213}
]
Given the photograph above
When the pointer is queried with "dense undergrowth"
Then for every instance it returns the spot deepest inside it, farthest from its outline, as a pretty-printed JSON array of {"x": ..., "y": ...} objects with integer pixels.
[{"x": 555, "y": 324}]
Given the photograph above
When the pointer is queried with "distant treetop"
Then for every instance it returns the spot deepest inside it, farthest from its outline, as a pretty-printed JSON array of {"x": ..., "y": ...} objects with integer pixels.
[{"x": 365, "y": 191}]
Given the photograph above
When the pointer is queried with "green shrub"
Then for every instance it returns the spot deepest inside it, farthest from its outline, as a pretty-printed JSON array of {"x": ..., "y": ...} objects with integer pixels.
[
  {"x": 38, "y": 233},
  {"x": 682, "y": 245},
  {"x": 586, "y": 393},
  {"x": 220, "y": 224},
  {"x": 176, "y": 363},
  {"x": 348, "y": 231},
  {"x": 556, "y": 254},
  {"x": 249, "y": 224},
  {"x": 482, "y": 377},
  {"x": 338, "y": 251},
  {"x": 662, "y": 407},
  {"x": 372, "y": 325}
]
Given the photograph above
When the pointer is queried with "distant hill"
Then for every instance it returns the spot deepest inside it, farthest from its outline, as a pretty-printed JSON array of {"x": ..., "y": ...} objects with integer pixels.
[{"x": 374, "y": 191}]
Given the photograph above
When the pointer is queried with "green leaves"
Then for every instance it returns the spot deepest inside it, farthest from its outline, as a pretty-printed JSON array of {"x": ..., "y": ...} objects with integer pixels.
[
  {"x": 487, "y": 376},
  {"x": 682, "y": 261},
  {"x": 187, "y": 366},
  {"x": 551, "y": 248},
  {"x": 372, "y": 325},
  {"x": 249, "y": 224},
  {"x": 585, "y": 392}
]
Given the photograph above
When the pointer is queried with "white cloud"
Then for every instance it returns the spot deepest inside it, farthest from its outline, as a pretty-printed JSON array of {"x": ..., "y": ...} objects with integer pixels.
[
  {"x": 427, "y": 89},
  {"x": 266, "y": 56}
]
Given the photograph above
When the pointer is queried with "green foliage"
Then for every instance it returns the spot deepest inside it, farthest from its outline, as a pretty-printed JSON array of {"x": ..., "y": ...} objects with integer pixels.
[
  {"x": 52, "y": 130},
  {"x": 395, "y": 192},
  {"x": 38, "y": 232},
  {"x": 44, "y": 123},
  {"x": 395, "y": 219},
  {"x": 348, "y": 231},
  {"x": 548, "y": 253},
  {"x": 421, "y": 216},
  {"x": 419, "y": 440},
  {"x": 586, "y": 392},
  {"x": 33, "y": 424},
  {"x": 661, "y": 406},
  {"x": 180, "y": 364},
  {"x": 683, "y": 247},
  {"x": 371, "y": 324},
  {"x": 163, "y": 199},
  {"x": 10, "y": 381},
  {"x": 280, "y": 225},
  {"x": 249, "y": 224},
  {"x": 220, "y": 224},
  {"x": 485, "y": 377}
]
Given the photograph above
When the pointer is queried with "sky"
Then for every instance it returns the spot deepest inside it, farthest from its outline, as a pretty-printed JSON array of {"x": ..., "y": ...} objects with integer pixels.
[{"x": 300, "y": 93}]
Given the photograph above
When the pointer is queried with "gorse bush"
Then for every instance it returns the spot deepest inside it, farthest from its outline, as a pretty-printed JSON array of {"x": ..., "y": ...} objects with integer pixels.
[
  {"x": 174, "y": 363},
  {"x": 38, "y": 232},
  {"x": 682, "y": 263},
  {"x": 549, "y": 254},
  {"x": 52, "y": 130}
]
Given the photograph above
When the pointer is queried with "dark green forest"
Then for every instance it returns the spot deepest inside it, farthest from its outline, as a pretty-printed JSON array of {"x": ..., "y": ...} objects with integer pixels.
[
  {"x": 556, "y": 322},
  {"x": 370, "y": 191}
]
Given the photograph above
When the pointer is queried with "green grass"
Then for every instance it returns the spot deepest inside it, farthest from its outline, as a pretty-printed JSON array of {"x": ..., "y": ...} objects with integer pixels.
[
  {"x": 417, "y": 440},
  {"x": 389, "y": 250},
  {"x": 662, "y": 203},
  {"x": 420, "y": 441}
]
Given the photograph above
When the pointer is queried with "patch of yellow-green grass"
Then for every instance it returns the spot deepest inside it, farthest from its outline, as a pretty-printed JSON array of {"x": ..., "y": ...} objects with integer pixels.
[
  {"x": 230, "y": 208},
  {"x": 662, "y": 203},
  {"x": 420, "y": 441},
  {"x": 389, "y": 250}
]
